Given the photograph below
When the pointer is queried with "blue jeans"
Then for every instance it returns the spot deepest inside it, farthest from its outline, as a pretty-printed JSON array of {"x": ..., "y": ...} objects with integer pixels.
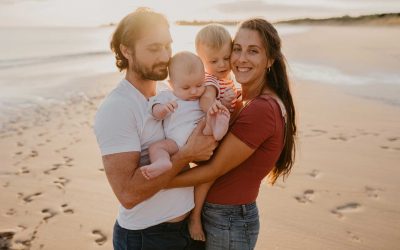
[
  {"x": 231, "y": 227},
  {"x": 164, "y": 236}
]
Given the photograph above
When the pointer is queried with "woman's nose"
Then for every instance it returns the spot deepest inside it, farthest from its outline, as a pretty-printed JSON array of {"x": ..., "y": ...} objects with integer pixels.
[{"x": 242, "y": 56}]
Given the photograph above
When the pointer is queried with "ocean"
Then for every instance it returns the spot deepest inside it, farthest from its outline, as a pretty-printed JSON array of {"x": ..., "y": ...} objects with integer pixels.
[{"x": 39, "y": 65}]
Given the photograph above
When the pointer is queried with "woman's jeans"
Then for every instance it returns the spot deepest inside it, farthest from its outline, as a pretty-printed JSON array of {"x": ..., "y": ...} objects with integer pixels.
[
  {"x": 165, "y": 236},
  {"x": 230, "y": 227}
]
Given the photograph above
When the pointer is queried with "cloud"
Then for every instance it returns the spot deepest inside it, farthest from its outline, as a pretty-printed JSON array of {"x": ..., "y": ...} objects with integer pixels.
[{"x": 10, "y": 2}]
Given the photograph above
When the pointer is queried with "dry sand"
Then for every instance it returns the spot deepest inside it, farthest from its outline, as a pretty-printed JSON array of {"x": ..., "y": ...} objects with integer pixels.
[{"x": 342, "y": 193}]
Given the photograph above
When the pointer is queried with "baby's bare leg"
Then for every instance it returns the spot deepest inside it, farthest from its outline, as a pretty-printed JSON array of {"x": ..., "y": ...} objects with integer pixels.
[{"x": 159, "y": 153}]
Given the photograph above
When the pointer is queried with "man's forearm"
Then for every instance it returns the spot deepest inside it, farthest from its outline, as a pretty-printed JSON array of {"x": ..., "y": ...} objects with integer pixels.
[{"x": 142, "y": 189}]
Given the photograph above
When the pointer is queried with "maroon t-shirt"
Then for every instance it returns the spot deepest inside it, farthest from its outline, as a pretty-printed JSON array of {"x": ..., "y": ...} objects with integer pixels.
[{"x": 261, "y": 126}]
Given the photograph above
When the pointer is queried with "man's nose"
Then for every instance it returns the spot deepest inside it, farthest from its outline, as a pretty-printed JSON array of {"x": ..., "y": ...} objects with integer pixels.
[{"x": 165, "y": 55}]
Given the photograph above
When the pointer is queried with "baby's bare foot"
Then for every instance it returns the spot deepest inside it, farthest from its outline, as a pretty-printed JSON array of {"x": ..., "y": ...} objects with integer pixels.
[
  {"x": 220, "y": 124},
  {"x": 155, "y": 169},
  {"x": 196, "y": 230}
]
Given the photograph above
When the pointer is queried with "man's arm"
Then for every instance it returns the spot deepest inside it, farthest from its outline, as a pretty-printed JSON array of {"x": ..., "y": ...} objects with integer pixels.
[{"x": 130, "y": 186}]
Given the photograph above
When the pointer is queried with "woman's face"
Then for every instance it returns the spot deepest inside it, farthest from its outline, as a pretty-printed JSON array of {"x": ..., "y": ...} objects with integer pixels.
[{"x": 249, "y": 58}]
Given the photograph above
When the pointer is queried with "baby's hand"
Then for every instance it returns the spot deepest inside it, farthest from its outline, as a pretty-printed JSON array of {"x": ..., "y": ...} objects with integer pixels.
[
  {"x": 160, "y": 111},
  {"x": 216, "y": 107},
  {"x": 228, "y": 97},
  {"x": 170, "y": 107}
]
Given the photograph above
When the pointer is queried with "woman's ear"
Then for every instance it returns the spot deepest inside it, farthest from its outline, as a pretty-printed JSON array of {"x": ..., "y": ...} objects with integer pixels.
[
  {"x": 269, "y": 63},
  {"x": 126, "y": 52}
]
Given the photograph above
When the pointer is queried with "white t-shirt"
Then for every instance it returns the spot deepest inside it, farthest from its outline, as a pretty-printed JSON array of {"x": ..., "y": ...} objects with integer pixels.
[
  {"x": 123, "y": 124},
  {"x": 179, "y": 124}
]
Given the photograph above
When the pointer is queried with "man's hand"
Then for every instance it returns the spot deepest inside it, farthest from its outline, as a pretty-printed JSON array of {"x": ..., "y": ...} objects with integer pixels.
[{"x": 199, "y": 147}]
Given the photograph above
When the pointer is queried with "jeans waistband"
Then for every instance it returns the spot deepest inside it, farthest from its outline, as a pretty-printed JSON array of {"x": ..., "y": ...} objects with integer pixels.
[
  {"x": 240, "y": 209},
  {"x": 165, "y": 226}
]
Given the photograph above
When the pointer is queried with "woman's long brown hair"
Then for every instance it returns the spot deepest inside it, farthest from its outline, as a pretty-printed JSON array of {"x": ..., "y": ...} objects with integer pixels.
[{"x": 277, "y": 80}]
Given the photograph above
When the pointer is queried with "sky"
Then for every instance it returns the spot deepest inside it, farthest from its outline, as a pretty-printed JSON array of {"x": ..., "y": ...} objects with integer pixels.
[{"x": 100, "y": 12}]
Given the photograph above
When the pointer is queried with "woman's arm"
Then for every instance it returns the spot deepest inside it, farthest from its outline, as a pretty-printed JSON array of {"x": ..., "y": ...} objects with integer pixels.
[{"x": 230, "y": 154}]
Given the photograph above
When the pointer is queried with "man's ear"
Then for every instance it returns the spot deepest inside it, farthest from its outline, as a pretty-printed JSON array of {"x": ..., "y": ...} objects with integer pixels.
[{"x": 126, "y": 52}]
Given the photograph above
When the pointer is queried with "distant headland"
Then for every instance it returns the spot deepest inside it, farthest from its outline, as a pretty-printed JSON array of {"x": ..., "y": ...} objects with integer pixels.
[{"x": 375, "y": 19}]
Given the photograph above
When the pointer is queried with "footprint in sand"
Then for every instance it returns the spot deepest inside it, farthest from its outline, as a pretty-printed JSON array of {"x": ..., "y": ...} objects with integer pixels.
[
  {"x": 31, "y": 197},
  {"x": 340, "y": 138},
  {"x": 50, "y": 213},
  {"x": 61, "y": 182},
  {"x": 68, "y": 161},
  {"x": 54, "y": 168},
  {"x": 6, "y": 239},
  {"x": 347, "y": 208},
  {"x": 373, "y": 192},
  {"x": 23, "y": 170},
  {"x": 11, "y": 212},
  {"x": 387, "y": 147},
  {"x": 101, "y": 238},
  {"x": 392, "y": 139},
  {"x": 67, "y": 210},
  {"x": 60, "y": 149},
  {"x": 353, "y": 237},
  {"x": 314, "y": 173},
  {"x": 33, "y": 153},
  {"x": 306, "y": 197},
  {"x": 316, "y": 132}
]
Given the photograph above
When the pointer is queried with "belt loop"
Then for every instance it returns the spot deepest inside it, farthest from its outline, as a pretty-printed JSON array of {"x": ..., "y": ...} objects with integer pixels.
[{"x": 244, "y": 210}]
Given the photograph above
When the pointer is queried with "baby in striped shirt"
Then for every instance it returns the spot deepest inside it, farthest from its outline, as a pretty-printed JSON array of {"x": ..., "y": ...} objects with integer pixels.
[{"x": 213, "y": 46}]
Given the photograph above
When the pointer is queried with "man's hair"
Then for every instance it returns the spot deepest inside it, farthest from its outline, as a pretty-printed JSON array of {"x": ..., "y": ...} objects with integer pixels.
[
  {"x": 214, "y": 36},
  {"x": 184, "y": 62},
  {"x": 130, "y": 29}
]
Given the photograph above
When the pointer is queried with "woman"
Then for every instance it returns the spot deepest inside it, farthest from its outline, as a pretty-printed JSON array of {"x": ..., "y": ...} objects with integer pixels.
[{"x": 260, "y": 141}]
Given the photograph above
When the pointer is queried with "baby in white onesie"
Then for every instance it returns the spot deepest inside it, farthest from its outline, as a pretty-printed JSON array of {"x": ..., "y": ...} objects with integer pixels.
[{"x": 180, "y": 111}]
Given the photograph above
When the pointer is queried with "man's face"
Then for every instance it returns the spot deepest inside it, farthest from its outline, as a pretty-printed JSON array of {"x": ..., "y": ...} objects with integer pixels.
[{"x": 152, "y": 53}]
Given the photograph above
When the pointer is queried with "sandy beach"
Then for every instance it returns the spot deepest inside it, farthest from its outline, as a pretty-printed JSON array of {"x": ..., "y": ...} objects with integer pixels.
[{"x": 342, "y": 193}]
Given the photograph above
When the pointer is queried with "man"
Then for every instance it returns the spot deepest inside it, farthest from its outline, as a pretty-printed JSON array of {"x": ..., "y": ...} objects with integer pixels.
[{"x": 150, "y": 217}]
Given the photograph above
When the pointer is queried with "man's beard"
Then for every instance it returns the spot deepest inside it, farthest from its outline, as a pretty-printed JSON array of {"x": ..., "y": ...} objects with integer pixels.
[{"x": 152, "y": 73}]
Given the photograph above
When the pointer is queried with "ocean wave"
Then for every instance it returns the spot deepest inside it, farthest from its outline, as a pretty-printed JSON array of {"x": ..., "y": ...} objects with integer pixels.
[{"x": 12, "y": 63}]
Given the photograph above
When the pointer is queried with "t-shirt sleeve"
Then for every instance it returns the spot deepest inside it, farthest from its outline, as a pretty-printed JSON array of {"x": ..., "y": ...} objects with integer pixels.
[
  {"x": 161, "y": 98},
  {"x": 255, "y": 124},
  {"x": 116, "y": 128}
]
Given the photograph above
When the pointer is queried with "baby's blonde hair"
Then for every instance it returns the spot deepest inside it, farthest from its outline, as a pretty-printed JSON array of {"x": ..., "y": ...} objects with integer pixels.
[
  {"x": 214, "y": 36},
  {"x": 184, "y": 62}
]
